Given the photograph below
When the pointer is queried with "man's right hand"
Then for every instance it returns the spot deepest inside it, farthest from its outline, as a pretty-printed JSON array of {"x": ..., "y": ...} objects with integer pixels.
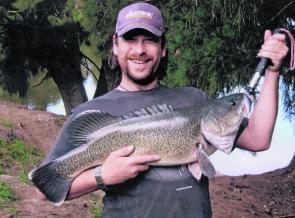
[{"x": 119, "y": 166}]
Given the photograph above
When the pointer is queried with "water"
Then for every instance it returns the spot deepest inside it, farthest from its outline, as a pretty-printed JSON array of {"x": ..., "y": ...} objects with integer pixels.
[{"x": 58, "y": 107}]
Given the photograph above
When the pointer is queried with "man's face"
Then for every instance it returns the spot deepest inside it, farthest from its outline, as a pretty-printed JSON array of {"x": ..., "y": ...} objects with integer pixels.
[{"x": 139, "y": 53}]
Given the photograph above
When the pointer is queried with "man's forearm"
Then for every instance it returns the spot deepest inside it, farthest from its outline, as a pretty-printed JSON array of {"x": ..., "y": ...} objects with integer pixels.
[
  {"x": 83, "y": 184},
  {"x": 257, "y": 136}
]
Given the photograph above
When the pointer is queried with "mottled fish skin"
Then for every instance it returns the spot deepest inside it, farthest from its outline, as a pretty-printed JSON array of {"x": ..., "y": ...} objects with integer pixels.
[{"x": 174, "y": 134}]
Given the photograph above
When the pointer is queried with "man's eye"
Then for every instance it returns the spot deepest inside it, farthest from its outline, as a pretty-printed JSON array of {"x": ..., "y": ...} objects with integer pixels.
[{"x": 152, "y": 39}]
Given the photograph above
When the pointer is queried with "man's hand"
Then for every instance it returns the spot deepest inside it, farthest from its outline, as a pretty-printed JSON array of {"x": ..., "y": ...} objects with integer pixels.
[
  {"x": 274, "y": 47},
  {"x": 119, "y": 166}
]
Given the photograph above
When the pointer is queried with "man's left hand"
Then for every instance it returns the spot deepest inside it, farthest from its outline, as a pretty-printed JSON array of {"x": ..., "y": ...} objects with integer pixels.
[{"x": 275, "y": 48}]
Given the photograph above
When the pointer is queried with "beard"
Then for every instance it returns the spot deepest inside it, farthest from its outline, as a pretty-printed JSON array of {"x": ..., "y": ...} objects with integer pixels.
[{"x": 151, "y": 76}]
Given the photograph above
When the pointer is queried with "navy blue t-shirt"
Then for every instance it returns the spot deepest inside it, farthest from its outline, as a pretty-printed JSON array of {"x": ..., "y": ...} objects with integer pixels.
[{"x": 162, "y": 192}]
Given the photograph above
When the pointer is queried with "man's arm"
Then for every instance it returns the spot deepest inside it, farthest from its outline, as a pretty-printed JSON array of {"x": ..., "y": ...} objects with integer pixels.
[
  {"x": 117, "y": 168},
  {"x": 258, "y": 134}
]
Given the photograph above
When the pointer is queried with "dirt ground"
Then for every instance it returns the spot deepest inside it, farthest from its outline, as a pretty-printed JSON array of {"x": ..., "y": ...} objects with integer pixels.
[{"x": 268, "y": 195}]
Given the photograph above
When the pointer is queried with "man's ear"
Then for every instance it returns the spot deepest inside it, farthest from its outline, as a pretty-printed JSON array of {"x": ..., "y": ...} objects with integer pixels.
[
  {"x": 115, "y": 45},
  {"x": 164, "y": 52}
]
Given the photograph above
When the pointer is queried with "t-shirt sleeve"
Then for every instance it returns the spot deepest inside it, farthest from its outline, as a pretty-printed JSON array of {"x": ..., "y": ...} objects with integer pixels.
[
  {"x": 61, "y": 145},
  {"x": 243, "y": 126}
]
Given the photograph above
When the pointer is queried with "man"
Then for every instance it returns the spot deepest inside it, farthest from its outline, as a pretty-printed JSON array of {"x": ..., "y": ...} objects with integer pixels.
[{"x": 133, "y": 189}]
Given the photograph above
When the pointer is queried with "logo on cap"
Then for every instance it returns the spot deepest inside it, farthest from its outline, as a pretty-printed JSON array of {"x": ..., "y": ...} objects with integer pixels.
[{"x": 139, "y": 14}]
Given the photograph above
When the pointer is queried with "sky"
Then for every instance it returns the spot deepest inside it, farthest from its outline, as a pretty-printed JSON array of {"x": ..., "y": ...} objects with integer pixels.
[{"x": 239, "y": 162}]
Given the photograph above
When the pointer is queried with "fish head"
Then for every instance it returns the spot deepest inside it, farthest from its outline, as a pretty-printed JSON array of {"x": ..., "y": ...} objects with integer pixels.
[{"x": 222, "y": 118}]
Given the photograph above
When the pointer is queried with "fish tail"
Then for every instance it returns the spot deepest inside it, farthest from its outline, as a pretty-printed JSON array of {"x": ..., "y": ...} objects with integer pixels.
[{"x": 53, "y": 185}]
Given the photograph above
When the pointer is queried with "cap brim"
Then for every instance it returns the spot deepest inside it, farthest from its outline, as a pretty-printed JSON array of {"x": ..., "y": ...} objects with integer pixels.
[{"x": 149, "y": 28}]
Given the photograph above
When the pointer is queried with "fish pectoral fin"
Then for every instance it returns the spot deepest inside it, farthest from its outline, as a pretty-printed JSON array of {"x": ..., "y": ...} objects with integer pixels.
[
  {"x": 223, "y": 143},
  {"x": 205, "y": 164},
  {"x": 53, "y": 185},
  {"x": 195, "y": 170}
]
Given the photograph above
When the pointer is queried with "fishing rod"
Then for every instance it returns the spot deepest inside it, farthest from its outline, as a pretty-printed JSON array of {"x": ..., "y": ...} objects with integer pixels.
[{"x": 265, "y": 62}]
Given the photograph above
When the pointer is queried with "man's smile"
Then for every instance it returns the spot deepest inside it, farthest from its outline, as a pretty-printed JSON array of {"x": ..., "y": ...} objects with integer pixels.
[{"x": 139, "y": 62}]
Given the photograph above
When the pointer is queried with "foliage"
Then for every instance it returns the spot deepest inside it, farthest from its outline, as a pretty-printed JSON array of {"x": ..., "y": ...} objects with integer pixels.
[
  {"x": 41, "y": 36},
  {"x": 212, "y": 44},
  {"x": 21, "y": 21},
  {"x": 20, "y": 156}
]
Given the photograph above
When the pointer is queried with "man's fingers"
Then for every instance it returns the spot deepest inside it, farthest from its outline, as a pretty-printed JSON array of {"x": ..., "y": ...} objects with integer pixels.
[
  {"x": 134, "y": 170},
  {"x": 123, "y": 152},
  {"x": 267, "y": 35},
  {"x": 145, "y": 159},
  {"x": 279, "y": 36},
  {"x": 142, "y": 168}
]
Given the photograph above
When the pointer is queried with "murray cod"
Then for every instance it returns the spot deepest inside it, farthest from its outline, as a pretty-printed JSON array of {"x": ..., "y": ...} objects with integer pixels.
[{"x": 179, "y": 136}]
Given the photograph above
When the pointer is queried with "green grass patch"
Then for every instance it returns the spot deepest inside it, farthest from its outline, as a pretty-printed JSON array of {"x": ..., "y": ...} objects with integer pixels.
[
  {"x": 18, "y": 158},
  {"x": 6, "y": 197},
  {"x": 6, "y": 194},
  {"x": 97, "y": 212},
  {"x": 6, "y": 123}
]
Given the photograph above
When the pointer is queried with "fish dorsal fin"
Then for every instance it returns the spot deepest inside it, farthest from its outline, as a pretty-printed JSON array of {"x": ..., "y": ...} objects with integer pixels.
[
  {"x": 147, "y": 111},
  {"x": 87, "y": 122}
]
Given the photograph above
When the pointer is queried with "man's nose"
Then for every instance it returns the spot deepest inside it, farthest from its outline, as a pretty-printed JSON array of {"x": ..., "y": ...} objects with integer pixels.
[{"x": 139, "y": 47}]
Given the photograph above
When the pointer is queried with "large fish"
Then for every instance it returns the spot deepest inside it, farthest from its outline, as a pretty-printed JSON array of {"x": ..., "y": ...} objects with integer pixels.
[{"x": 179, "y": 136}]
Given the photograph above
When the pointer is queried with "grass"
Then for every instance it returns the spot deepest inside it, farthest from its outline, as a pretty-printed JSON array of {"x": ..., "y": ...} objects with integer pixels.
[
  {"x": 18, "y": 156},
  {"x": 97, "y": 212},
  {"x": 7, "y": 196},
  {"x": 96, "y": 205},
  {"x": 6, "y": 123},
  {"x": 16, "y": 159}
]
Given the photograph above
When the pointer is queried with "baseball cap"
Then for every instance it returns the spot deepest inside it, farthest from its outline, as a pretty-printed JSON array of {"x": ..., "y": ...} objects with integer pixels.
[{"x": 140, "y": 15}]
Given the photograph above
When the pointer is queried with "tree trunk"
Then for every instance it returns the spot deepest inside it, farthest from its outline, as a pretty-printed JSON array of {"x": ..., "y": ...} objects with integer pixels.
[
  {"x": 71, "y": 89},
  {"x": 65, "y": 69},
  {"x": 108, "y": 79},
  {"x": 291, "y": 165}
]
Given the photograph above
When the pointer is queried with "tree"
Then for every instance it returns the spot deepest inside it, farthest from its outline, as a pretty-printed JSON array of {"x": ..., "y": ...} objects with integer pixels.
[{"x": 31, "y": 43}]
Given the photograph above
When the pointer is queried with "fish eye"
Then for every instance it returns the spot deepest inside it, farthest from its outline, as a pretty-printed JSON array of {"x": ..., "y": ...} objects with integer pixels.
[{"x": 233, "y": 103}]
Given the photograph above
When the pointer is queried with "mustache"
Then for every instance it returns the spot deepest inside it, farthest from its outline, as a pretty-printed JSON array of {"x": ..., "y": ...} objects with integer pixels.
[{"x": 138, "y": 57}]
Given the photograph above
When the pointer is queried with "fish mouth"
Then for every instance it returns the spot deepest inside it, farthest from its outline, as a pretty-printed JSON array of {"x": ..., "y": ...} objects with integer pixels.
[{"x": 244, "y": 109}]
